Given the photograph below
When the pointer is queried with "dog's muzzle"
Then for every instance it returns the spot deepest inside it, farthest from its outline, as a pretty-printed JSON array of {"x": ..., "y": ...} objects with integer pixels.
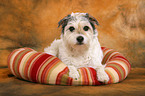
[{"x": 80, "y": 40}]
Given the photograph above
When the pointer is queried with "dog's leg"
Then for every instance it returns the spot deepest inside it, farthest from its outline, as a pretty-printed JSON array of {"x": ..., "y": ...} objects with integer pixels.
[
  {"x": 101, "y": 74},
  {"x": 96, "y": 64},
  {"x": 53, "y": 49},
  {"x": 73, "y": 72}
]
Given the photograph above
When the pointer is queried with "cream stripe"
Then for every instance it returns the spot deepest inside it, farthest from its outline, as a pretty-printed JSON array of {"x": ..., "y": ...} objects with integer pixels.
[
  {"x": 41, "y": 68},
  {"x": 114, "y": 74},
  {"x": 53, "y": 75},
  {"x": 122, "y": 64},
  {"x": 114, "y": 53},
  {"x": 111, "y": 56},
  {"x": 89, "y": 76},
  {"x": 107, "y": 51},
  {"x": 23, "y": 63},
  {"x": 12, "y": 60},
  {"x": 31, "y": 64}
]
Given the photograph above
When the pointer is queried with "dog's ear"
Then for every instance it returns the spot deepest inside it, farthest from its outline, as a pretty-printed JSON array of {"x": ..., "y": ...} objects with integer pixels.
[
  {"x": 63, "y": 22},
  {"x": 92, "y": 19}
]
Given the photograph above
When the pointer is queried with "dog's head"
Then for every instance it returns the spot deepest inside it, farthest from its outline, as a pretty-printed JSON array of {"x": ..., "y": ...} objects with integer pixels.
[{"x": 78, "y": 29}]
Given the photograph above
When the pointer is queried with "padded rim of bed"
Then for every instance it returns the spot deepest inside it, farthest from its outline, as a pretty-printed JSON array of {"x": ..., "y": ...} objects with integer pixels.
[{"x": 28, "y": 64}]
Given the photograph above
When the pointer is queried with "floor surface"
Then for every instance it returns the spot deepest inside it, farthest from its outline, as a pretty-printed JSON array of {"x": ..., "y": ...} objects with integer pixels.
[{"x": 133, "y": 85}]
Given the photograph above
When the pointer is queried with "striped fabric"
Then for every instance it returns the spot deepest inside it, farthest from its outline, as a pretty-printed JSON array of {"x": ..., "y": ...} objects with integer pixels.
[{"x": 27, "y": 64}]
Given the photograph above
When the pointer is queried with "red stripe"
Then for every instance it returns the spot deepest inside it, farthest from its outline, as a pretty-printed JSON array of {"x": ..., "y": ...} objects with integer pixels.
[
  {"x": 121, "y": 58},
  {"x": 103, "y": 48},
  {"x": 122, "y": 69},
  {"x": 106, "y": 49},
  {"x": 59, "y": 76},
  {"x": 27, "y": 48},
  {"x": 20, "y": 62},
  {"x": 106, "y": 56},
  {"x": 28, "y": 64},
  {"x": 114, "y": 55},
  {"x": 45, "y": 61},
  {"x": 36, "y": 66},
  {"x": 9, "y": 58},
  {"x": 110, "y": 78},
  {"x": 69, "y": 81},
  {"x": 85, "y": 75},
  {"x": 94, "y": 76},
  {"x": 118, "y": 72},
  {"x": 47, "y": 68},
  {"x": 14, "y": 62},
  {"x": 125, "y": 60}
]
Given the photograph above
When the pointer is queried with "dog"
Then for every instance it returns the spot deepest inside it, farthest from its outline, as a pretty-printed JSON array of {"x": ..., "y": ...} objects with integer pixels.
[{"x": 79, "y": 45}]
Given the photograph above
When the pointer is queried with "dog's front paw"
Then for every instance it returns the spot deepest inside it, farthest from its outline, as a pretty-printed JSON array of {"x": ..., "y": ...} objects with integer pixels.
[
  {"x": 73, "y": 73},
  {"x": 103, "y": 77}
]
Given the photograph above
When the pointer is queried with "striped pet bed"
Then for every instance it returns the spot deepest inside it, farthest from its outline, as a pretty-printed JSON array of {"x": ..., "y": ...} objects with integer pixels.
[{"x": 27, "y": 64}]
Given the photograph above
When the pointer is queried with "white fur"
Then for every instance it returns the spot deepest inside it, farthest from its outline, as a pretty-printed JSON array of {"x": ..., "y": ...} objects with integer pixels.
[{"x": 89, "y": 54}]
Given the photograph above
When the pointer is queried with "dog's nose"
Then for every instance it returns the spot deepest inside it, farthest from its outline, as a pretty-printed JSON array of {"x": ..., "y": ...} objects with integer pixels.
[{"x": 80, "y": 39}]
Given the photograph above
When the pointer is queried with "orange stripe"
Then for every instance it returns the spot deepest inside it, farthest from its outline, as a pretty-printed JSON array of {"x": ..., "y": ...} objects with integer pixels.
[
  {"x": 47, "y": 69},
  {"x": 59, "y": 76},
  {"x": 119, "y": 74},
  {"x": 40, "y": 68},
  {"x": 114, "y": 55},
  {"x": 28, "y": 64},
  {"x": 14, "y": 65},
  {"x": 19, "y": 62},
  {"x": 69, "y": 81},
  {"x": 122, "y": 69},
  {"x": 9, "y": 57},
  {"x": 105, "y": 49},
  {"x": 125, "y": 62},
  {"x": 107, "y": 56},
  {"x": 92, "y": 77},
  {"x": 85, "y": 75},
  {"x": 37, "y": 64},
  {"x": 82, "y": 76},
  {"x": 110, "y": 77},
  {"x": 122, "y": 58}
]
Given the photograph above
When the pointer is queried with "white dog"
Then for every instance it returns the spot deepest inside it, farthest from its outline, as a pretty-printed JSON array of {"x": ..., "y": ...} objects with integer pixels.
[{"x": 79, "y": 45}]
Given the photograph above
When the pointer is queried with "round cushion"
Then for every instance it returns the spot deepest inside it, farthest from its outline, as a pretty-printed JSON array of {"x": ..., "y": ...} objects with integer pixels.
[{"x": 28, "y": 64}]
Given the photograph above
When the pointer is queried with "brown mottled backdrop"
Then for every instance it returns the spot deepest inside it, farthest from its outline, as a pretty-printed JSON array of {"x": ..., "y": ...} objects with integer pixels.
[{"x": 33, "y": 23}]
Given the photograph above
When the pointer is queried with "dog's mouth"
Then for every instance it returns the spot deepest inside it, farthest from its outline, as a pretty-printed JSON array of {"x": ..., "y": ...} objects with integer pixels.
[{"x": 80, "y": 43}]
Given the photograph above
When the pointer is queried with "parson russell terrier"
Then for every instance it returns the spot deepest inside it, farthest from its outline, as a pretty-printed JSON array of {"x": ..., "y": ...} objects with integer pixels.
[{"x": 79, "y": 45}]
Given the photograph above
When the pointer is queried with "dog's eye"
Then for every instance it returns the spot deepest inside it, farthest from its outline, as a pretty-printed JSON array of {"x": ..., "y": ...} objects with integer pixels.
[
  {"x": 71, "y": 28},
  {"x": 86, "y": 28}
]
